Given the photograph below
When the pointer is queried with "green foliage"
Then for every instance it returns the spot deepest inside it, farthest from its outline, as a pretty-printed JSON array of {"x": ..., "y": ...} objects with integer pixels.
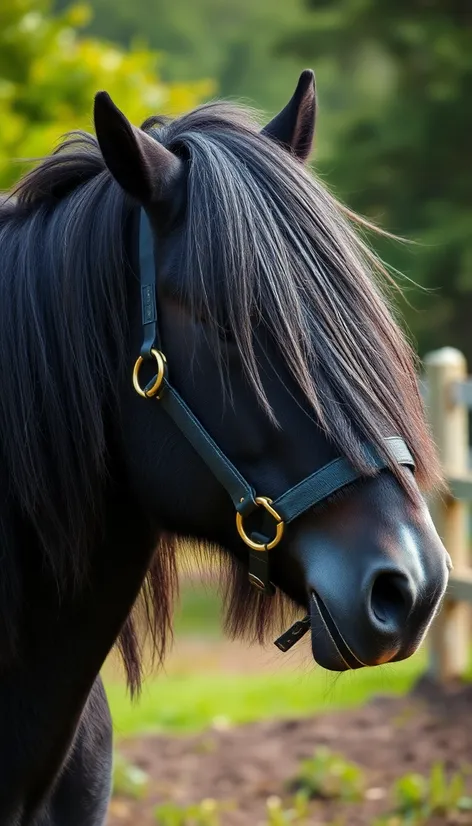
[
  {"x": 49, "y": 75},
  {"x": 193, "y": 693},
  {"x": 419, "y": 798},
  {"x": 278, "y": 815},
  {"x": 200, "y": 614},
  {"x": 191, "y": 701},
  {"x": 128, "y": 780},
  {"x": 329, "y": 776},
  {"x": 416, "y": 799},
  {"x": 399, "y": 137},
  {"x": 394, "y": 122},
  {"x": 206, "y": 813},
  {"x": 232, "y": 41}
]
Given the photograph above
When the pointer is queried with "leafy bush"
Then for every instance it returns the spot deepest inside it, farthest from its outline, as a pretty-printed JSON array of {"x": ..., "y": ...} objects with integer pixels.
[{"x": 49, "y": 75}]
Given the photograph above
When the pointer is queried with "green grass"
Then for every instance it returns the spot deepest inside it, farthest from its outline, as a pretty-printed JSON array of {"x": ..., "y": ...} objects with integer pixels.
[
  {"x": 191, "y": 700},
  {"x": 199, "y": 613}
]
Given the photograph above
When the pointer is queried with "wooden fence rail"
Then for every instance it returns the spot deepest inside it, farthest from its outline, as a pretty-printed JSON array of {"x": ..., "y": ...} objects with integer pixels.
[{"x": 448, "y": 395}]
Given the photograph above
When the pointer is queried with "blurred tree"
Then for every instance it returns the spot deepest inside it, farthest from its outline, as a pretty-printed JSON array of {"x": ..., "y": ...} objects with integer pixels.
[
  {"x": 399, "y": 141},
  {"x": 49, "y": 75},
  {"x": 229, "y": 40}
]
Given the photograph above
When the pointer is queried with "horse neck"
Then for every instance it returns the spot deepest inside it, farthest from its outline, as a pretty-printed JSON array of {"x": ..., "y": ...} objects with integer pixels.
[
  {"x": 62, "y": 642},
  {"x": 55, "y": 636}
]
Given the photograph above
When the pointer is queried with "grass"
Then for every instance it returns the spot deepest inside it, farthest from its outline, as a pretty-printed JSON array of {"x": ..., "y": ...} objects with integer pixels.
[
  {"x": 191, "y": 702},
  {"x": 192, "y": 699},
  {"x": 199, "y": 612}
]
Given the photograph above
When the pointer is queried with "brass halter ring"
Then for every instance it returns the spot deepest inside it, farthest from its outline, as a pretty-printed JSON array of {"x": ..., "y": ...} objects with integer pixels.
[
  {"x": 266, "y": 503},
  {"x": 161, "y": 371}
]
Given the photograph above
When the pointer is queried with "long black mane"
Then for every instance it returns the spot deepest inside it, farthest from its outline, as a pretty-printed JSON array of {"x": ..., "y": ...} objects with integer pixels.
[
  {"x": 291, "y": 258},
  {"x": 63, "y": 323}
]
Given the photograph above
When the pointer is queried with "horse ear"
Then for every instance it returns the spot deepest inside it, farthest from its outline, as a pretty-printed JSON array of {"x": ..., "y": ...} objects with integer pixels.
[
  {"x": 142, "y": 166},
  {"x": 294, "y": 126}
]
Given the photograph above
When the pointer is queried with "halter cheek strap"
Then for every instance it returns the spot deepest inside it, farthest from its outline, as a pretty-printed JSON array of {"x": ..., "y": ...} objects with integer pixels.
[{"x": 276, "y": 514}]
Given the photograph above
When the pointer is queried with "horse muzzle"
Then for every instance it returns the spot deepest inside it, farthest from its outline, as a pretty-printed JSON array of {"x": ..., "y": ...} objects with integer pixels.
[{"x": 372, "y": 597}]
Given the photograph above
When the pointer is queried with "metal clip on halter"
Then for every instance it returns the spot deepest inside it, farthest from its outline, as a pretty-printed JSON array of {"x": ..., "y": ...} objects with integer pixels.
[{"x": 291, "y": 504}]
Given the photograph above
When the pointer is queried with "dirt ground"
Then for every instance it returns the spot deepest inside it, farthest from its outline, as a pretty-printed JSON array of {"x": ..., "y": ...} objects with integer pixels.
[{"x": 245, "y": 765}]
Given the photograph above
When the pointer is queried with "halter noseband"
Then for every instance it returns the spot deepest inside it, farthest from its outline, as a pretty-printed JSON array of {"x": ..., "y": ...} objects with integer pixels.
[{"x": 276, "y": 514}]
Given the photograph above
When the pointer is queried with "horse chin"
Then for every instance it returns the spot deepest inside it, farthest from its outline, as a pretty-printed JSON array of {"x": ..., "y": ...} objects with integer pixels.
[{"x": 329, "y": 647}]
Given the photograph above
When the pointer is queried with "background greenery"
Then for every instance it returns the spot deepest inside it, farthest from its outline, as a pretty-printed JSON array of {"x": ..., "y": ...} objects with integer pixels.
[
  {"x": 393, "y": 141},
  {"x": 50, "y": 71},
  {"x": 394, "y": 80},
  {"x": 194, "y": 692}
]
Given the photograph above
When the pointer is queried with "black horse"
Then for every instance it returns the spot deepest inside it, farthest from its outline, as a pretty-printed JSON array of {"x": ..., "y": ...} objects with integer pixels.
[{"x": 278, "y": 339}]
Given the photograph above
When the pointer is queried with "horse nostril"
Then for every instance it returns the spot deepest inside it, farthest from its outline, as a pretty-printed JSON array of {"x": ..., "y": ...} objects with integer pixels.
[{"x": 391, "y": 598}]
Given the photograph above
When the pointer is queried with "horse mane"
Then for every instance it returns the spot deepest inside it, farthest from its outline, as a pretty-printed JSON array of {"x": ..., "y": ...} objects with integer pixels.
[{"x": 293, "y": 260}]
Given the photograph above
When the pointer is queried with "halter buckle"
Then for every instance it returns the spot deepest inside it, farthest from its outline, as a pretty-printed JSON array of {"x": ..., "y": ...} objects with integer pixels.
[
  {"x": 266, "y": 503},
  {"x": 161, "y": 362}
]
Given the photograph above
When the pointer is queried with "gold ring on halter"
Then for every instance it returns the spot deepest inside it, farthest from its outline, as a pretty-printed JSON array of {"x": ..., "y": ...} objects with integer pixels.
[
  {"x": 161, "y": 370},
  {"x": 266, "y": 503}
]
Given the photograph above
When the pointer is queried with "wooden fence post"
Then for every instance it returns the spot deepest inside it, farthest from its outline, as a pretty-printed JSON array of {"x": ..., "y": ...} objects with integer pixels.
[{"x": 449, "y": 421}]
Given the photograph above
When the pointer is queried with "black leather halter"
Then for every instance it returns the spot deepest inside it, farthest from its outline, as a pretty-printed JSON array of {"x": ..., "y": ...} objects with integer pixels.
[{"x": 276, "y": 514}]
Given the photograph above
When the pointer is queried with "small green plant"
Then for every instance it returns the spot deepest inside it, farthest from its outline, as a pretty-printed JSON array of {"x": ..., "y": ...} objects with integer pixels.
[
  {"x": 300, "y": 804},
  {"x": 128, "y": 780},
  {"x": 329, "y": 776},
  {"x": 410, "y": 793},
  {"x": 277, "y": 815},
  {"x": 418, "y": 798},
  {"x": 205, "y": 813},
  {"x": 170, "y": 814}
]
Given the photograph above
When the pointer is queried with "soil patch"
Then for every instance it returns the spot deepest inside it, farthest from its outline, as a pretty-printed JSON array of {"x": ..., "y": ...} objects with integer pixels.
[{"x": 388, "y": 737}]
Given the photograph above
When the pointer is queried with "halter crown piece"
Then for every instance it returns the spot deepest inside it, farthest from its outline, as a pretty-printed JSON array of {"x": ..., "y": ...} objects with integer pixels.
[{"x": 276, "y": 514}]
